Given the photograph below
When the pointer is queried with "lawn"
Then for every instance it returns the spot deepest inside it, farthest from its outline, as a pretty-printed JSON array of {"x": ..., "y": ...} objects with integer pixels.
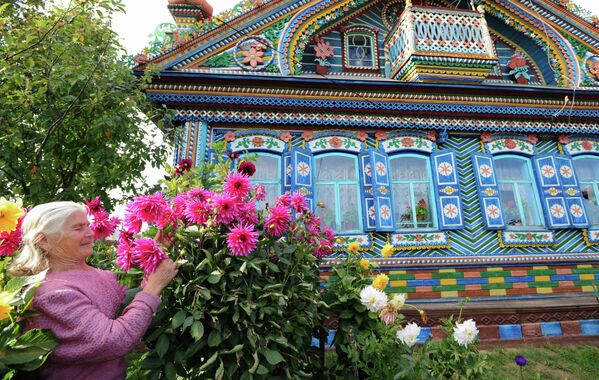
[{"x": 548, "y": 362}]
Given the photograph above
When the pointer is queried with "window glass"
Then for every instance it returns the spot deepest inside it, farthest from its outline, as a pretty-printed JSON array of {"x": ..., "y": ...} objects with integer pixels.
[
  {"x": 359, "y": 50},
  {"x": 268, "y": 174},
  {"x": 521, "y": 206},
  {"x": 336, "y": 186},
  {"x": 412, "y": 190},
  {"x": 587, "y": 171}
]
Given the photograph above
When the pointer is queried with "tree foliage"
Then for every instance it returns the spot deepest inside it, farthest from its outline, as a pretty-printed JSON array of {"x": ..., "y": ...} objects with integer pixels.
[{"x": 70, "y": 111}]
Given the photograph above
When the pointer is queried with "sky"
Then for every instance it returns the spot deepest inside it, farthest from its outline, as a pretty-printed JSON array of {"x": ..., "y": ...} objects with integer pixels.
[{"x": 142, "y": 17}]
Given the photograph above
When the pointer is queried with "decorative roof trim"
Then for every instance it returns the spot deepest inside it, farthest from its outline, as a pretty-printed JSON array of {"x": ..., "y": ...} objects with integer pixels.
[{"x": 377, "y": 121}]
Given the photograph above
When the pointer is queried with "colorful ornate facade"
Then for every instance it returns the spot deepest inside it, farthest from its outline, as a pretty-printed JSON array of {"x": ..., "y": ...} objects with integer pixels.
[{"x": 466, "y": 135}]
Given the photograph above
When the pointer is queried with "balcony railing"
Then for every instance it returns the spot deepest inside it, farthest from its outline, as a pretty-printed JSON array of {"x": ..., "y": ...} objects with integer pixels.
[{"x": 432, "y": 44}]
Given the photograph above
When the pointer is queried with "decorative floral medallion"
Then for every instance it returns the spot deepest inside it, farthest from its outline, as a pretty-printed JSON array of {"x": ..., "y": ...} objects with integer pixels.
[
  {"x": 510, "y": 144},
  {"x": 525, "y": 238},
  {"x": 335, "y": 142},
  {"x": 257, "y": 142},
  {"x": 424, "y": 240},
  {"x": 408, "y": 142},
  {"x": 582, "y": 146},
  {"x": 253, "y": 53}
]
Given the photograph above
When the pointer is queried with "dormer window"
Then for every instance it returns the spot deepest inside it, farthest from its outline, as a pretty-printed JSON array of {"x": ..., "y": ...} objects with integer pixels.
[{"x": 360, "y": 50}]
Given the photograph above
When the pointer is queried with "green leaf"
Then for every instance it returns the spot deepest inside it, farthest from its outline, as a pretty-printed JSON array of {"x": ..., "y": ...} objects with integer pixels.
[
  {"x": 262, "y": 370},
  {"x": 289, "y": 249},
  {"x": 235, "y": 349},
  {"x": 170, "y": 371},
  {"x": 22, "y": 355},
  {"x": 215, "y": 277},
  {"x": 17, "y": 283},
  {"x": 178, "y": 318},
  {"x": 273, "y": 357},
  {"x": 209, "y": 362},
  {"x": 43, "y": 339},
  {"x": 214, "y": 338},
  {"x": 162, "y": 345},
  {"x": 197, "y": 330}
]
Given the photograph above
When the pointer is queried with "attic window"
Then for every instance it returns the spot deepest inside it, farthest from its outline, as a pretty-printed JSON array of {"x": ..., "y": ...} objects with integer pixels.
[{"x": 360, "y": 49}]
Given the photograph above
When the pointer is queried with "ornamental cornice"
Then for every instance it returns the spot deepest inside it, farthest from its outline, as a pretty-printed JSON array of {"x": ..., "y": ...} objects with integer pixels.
[
  {"x": 361, "y": 95},
  {"x": 380, "y": 121}
]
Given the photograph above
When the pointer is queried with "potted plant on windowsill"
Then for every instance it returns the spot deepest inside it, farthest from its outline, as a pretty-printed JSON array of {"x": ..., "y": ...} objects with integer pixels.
[
  {"x": 421, "y": 210},
  {"x": 323, "y": 50}
]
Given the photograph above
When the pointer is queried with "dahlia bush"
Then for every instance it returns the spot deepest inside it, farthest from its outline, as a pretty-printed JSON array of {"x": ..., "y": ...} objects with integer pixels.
[{"x": 246, "y": 301}]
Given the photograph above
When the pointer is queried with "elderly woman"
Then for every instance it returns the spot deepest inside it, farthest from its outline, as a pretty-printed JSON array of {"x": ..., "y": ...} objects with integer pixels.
[{"x": 79, "y": 303}]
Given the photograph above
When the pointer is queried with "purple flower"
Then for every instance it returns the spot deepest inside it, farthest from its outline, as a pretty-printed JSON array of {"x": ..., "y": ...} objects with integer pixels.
[{"x": 520, "y": 360}]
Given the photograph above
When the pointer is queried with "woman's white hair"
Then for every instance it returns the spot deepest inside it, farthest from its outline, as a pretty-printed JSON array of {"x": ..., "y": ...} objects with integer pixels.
[{"x": 43, "y": 220}]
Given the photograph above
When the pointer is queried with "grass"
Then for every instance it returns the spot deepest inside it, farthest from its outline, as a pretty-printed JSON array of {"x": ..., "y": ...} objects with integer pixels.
[{"x": 549, "y": 362}]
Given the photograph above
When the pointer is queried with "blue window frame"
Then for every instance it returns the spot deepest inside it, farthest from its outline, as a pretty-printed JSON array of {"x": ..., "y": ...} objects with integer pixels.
[
  {"x": 336, "y": 186},
  {"x": 519, "y": 197},
  {"x": 412, "y": 188},
  {"x": 587, "y": 171},
  {"x": 268, "y": 173}
]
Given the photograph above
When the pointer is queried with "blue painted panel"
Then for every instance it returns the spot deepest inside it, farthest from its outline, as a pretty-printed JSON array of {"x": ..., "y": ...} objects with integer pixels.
[
  {"x": 551, "y": 329},
  {"x": 589, "y": 327},
  {"x": 381, "y": 185},
  {"x": 423, "y": 283},
  {"x": 571, "y": 191},
  {"x": 330, "y": 336},
  {"x": 368, "y": 216},
  {"x": 510, "y": 332},
  {"x": 286, "y": 170},
  {"x": 425, "y": 333},
  {"x": 471, "y": 281},
  {"x": 447, "y": 189},
  {"x": 551, "y": 192},
  {"x": 489, "y": 196},
  {"x": 302, "y": 174}
]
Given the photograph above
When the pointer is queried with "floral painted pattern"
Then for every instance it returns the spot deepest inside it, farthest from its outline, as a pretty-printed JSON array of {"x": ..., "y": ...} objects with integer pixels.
[
  {"x": 408, "y": 142},
  {"x": 576, "y": 211},
  {"x": 511, "y": 144},
  {"x": 493, "y": 212},
  {"x": 385, "y": 212},
  {"x": 451, "y": 211},
  {"x": 527, "y": 237},
  {"x": 557, "y": 211},
  {"x": 257, "y": 142},
  {"x": 485, "y": 171},
  {"x": 381, "y": 169},
  {"x": 335, "y": 142},
  {"x": 580, "y": 146},
  {"x": 303, "y": 169},
  {"x": 445, "y": 168},
  {"x": 408, "y": 240},
  {"x": 547, "y": 171}
]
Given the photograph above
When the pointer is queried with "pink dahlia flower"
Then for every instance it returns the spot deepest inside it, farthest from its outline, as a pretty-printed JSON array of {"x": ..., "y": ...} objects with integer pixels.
[
  {"x": 149, "y": 208},
  {"x": 277, "y": 222},
  {"x": 260, "y": 192},
  {"x": 246, "y": 213},
  {"x": 93, "y": 206},
  {"x": 167, "y": 218},
  {"x": 237, "y": 184},
  {"x": 242, "y": 239},
  {"x": 147, "y": 253},
  {"x": 197, "y": 212},
  {"x": 284, "y": 200},
  {"x": 103, "y": 226},
  {"x": 298, "y": 202},
  {"x": 199, "y": 194},
  {"x": 10, "y": 242},
  {"x": 131, "y": 222},
  {"x": 226, "y": 209},
  {"x": 124, "y": 256}
]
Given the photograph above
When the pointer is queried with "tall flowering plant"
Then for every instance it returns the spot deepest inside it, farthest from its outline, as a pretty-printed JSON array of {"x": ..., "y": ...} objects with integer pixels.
[
  {"x": 19, "y": 350},
  {"x": 246, "y": 299}
]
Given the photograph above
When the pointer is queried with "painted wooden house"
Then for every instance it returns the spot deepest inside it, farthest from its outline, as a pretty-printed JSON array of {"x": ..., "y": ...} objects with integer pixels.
[{"x": 465, "y": 134}]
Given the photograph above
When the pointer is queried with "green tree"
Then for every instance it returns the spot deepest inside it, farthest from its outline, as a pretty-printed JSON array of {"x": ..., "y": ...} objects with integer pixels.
[{"x": 70, "y": 109}]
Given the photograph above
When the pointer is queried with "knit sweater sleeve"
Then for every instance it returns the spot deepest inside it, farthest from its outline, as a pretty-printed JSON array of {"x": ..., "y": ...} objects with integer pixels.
[{"x": 85, "y": 333}]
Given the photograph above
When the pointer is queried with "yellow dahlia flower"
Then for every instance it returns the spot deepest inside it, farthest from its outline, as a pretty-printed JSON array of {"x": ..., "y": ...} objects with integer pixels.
[
  {"x": 353, "y": 247},
  {"x": 364, "y": 263},
  {"x": 380, "y": 282},
  {"x": 10, "y": 212},
  {"x": 5, "y": 306},
  {"x": 387, "y": 250}
]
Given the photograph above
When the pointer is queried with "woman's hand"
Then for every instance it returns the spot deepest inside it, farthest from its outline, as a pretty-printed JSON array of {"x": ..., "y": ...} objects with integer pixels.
[{"x": 165, "y": 272}]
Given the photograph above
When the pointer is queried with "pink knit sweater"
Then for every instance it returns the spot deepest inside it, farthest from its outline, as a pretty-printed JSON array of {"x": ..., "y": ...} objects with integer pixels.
[{"x": 80, "y": 307}]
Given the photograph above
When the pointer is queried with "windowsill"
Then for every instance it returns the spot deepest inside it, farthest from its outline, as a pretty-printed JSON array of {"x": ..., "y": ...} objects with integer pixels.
[
  {"x": 342, "y": 240},
  {"x": 526, "y": 228}
]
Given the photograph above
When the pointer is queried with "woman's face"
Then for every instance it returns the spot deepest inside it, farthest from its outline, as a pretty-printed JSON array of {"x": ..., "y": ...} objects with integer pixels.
[{"x": 77, "y": 238}]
